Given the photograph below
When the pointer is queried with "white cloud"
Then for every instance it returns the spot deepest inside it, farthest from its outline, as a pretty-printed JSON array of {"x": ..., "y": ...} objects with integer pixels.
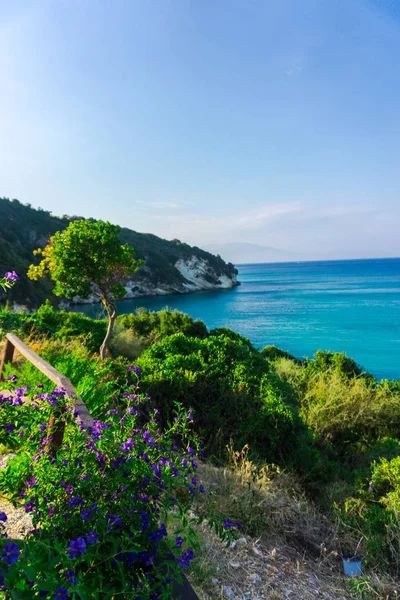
[
  {"x": 295, "y": 67},
  {"x": 201, "y": 228}
]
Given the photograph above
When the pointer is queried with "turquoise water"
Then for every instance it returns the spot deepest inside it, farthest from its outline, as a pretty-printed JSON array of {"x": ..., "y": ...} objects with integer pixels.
[{"x": 351, "y": 306}]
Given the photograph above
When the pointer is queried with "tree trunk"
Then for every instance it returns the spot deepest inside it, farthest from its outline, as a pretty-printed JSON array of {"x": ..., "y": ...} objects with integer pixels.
[{"x": 112, "y": 313}]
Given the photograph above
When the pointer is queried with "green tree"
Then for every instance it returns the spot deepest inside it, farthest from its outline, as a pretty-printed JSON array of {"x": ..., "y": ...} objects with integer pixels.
[{"x": 88, "y": 259}]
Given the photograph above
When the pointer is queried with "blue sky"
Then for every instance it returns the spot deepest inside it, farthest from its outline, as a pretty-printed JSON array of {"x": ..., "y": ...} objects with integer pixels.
[{"x": 271, "y": 122}]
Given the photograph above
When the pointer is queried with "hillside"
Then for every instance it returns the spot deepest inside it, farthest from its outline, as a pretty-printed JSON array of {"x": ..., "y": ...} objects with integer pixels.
[
  {"x": 170, "y": 267},
  {"x": 299, "y": 460}
]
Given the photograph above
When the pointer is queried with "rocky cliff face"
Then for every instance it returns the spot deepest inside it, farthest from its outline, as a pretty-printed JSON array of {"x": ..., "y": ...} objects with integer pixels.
[{"x": 196, "y": 275}]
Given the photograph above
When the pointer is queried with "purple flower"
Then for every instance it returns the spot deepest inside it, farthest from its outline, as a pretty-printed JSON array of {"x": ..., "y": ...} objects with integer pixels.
[
  {"x": 51, "y": 510},
  {"x": 3, "y": 517},
  {"x": 69, "y": 489},
  {"x": 146, "y": 435},
  {"x": 77, "y": 547},
  {"x": 134, "y": 369},
  {"x": 11, "y": 276},
  {"x": 70, "y": 576},
  {"x": 86, "y": 514},
  {"x": 61, "y": 593},
  {"x": 113, "y": 520},
  {"x": 228, "y": 523},
  {"x": 75, "y": 501},
  {"x": 179, "y": 541},
  {"x": 92, "y": 537},
  {"x": 10, "y": 553},
  {"x": 158, "y": 534},
  {"x": 201, "y": 488},
  {"x": 9, "y": 427},
  {"x": 31, "y": 482},
  {"x": 128, "y": 445},
  {"x": 184, "y": 560},
  {"x": 29, "y": 506}
]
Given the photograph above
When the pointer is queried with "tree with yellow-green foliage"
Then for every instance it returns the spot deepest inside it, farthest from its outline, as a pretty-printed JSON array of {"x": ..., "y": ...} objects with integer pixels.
[{"x": 88, "y": 259}]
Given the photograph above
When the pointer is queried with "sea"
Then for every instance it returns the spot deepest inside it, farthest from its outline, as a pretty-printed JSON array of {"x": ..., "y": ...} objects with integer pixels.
[{"x": 350, "y": 306}]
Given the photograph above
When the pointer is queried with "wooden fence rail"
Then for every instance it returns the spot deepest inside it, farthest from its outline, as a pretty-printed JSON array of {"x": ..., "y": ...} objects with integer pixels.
[{"x": 56, "y": 427}]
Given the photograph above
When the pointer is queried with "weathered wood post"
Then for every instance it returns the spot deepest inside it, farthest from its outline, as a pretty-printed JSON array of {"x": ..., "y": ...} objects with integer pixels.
[{"x": 8, "y": 355}]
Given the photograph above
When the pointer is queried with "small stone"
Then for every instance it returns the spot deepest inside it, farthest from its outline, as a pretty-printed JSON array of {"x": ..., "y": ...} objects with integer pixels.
[
  {"x": 257, "y": 552},
  {"x": 229, "y": 593},
  {"x": 235, "y": 565},
  {"x": 242, "y": 541},
  {"x": 255, "y": 578},
  {"x": 215, "y": 581},
  {"x": 233, "y": 545}
]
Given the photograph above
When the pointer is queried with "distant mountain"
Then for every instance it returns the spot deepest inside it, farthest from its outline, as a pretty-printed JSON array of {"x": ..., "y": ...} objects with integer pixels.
[
  {"x": 242, "y": 253},
  {"x": 170, "y": 266}
]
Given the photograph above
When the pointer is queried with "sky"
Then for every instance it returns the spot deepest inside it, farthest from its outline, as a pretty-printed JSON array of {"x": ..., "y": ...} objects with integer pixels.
[{"x": 274, "y": 122}]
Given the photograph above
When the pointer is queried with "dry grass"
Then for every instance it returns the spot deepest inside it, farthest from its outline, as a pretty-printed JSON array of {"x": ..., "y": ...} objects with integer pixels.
[
  {"x": 270, "y": 504},
  {"x": 287, "y": 549}
]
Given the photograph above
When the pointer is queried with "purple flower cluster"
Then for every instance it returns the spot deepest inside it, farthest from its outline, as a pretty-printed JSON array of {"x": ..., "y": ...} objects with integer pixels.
[
  {"x": 126, "y": 469},
  {"x": 11, "y": 276},
  {"x": 134, "y": 369},
  {"x": 186, "y": 558},
  {"x": 128, "y": 445}
]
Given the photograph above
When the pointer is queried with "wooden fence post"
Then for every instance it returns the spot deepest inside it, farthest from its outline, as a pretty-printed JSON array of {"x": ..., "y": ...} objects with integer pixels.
[
  {"x": 55, "y": 431},
  {"x": 8, "y": 355}
]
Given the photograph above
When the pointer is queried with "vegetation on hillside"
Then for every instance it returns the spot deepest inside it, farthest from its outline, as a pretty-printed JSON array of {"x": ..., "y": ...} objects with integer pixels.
[
  {"x": 23, "y": 229},
  {"x": 326, "y": 421}
]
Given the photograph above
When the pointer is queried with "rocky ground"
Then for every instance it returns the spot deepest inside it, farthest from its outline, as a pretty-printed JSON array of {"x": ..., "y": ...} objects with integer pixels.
[{"x": 249, "y": 570}]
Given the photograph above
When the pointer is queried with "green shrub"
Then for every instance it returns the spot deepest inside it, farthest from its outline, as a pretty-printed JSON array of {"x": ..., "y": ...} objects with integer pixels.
[
  {"x": 230, "y": 386},
  {"x": 273, "y": 353},
  {"x": 156, "y": 325},
  {"x": 375, "y": 512},
  {"x": 125, "y": 343}
]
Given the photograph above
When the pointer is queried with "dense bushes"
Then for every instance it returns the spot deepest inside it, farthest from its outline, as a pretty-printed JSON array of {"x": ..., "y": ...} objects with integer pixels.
[
  {"x": 324, "y": 418},
  {"x": 156, "y": 325},
  {"x": 347, "y": 408},
  {"x": 229, "y": 385}
]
